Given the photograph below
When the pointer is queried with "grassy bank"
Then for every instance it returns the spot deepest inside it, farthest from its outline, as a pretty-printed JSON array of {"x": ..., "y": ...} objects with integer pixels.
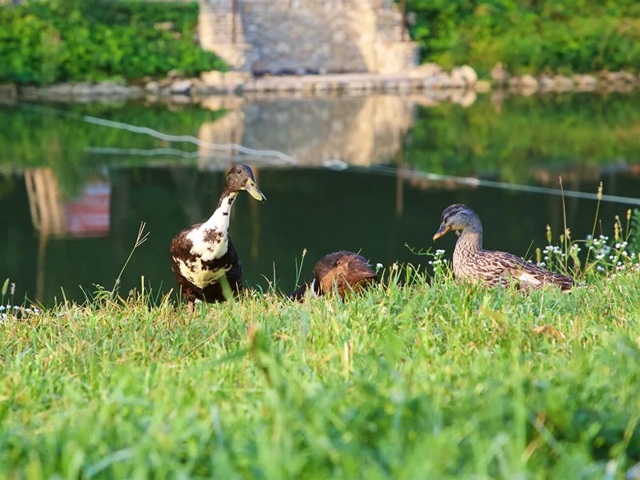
[{"x": 421, "y": 381}]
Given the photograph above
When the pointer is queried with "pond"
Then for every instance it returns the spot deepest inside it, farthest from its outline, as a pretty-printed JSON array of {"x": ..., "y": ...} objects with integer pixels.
[{"x": 369, "y": 174}]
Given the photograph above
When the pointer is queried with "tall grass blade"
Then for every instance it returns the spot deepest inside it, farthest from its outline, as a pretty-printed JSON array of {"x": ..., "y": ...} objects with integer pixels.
[
  {"x": 140, "y": 239},
  {"x": 5, "y": 287},
  {"x": 595, "y": 223}
]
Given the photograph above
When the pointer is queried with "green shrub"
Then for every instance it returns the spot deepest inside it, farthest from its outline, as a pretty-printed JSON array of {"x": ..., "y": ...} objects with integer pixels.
[
  {"x": 529, "y": 36},
  {"x": 71, "y": 40}
]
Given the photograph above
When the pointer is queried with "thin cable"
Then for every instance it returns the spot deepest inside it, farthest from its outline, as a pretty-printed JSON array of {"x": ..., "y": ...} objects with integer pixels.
[
  {"x": 478, "y": 182},
  {"x": 150, "y": 152},
  {"x": 167, "y": 152},
  {"x": 189, "y": 138}
]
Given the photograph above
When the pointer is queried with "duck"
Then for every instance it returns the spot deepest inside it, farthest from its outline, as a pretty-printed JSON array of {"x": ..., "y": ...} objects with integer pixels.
[
  {"x": 471, "y": 262},
  {"x": 203, "y": 257},
  {"x": 343, "y": 272}
]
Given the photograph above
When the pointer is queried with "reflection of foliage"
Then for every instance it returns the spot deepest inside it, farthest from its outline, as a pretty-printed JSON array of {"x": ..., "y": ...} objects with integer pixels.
[
  {"x": 7, "y": 186},
  {"x": 72, "y": 40},
  {"x": 35, "y": 137},
  {"x": 529, "y": 36},
  {"x": 525, "y": 132},
  {"x": 39, "y": 138}
]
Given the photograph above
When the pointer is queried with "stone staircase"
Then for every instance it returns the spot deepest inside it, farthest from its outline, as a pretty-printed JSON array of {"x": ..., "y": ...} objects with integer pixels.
[{"x": 306, "y": 36}]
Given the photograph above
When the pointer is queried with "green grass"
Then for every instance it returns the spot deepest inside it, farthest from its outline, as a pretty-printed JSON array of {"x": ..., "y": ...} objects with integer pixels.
[{"x": 427, "y": 380}]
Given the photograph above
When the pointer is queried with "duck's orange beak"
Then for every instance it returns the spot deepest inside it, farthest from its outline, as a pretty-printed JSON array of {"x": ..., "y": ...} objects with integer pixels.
[{"x": 443, "y": 230}]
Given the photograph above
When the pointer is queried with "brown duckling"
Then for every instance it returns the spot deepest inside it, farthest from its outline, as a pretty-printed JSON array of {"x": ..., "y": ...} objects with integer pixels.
[
  {"x": 345, "y": 271},
  {"x": 203, "y": 255},
  {"x": 472, "y": 262}
]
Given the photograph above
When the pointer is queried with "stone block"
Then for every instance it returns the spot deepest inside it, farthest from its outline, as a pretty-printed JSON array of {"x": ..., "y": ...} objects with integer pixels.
[
  {"x": 213, "y": 78},
  {"x": 545, "y": 82},
  {"x": 456, "y": 79},
  {"x": 181, "y": 87},
  {"x": 585, "y": 83},
  {"x": 529, "y": 82},
  {"x": 8, "y": 91},
  {"x": 152, "y": 86},
  {"x": 562, "y": 83},
  {"x": 235, "y": 77}
]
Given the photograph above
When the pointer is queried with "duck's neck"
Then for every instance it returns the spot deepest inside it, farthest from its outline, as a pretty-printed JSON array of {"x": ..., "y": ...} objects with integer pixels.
[
  {"x": 470, "y": 239},
  {"x": 219, "y": 221}
]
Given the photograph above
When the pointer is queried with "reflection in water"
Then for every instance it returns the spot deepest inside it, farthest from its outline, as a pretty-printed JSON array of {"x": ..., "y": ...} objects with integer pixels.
[
  {"x": 86, "y": 215},
  {"x": 81, "y": 216},
  {"x": 356, "y": 130},
  {"x": 45, "y": 204}
]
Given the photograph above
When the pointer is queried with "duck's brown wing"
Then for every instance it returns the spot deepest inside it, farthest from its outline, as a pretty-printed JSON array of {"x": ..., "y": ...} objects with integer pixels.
[
  {"x": 230, "y": 262},
  {"x": 179, "y": 250},
  {"x": 532, "y": 276},
  {"x": 502, "y": 268},
  {"x": 180, "y": 246}
]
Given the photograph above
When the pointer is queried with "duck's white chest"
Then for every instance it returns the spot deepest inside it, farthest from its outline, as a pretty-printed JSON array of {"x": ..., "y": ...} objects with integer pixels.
[
  {"x": 198, "y": 274},
  {"x": 208, "y": 244}
]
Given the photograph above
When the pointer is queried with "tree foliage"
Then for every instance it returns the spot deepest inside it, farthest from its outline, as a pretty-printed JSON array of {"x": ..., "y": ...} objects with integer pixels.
[
  {"x": 73, "y": 40},
  {"x": 529, "y": 36}
]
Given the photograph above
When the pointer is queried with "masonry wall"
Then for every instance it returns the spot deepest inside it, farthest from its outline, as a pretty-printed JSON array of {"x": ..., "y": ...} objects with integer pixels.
[{"x": 307, "y": 36}]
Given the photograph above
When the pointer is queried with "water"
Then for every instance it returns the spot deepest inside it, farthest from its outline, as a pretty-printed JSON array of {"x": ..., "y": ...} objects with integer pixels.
[{"x": 74, "y": 194}]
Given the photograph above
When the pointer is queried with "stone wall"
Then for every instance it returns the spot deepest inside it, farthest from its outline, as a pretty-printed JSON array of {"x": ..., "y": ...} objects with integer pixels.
[{"x": 307, "y": 36}]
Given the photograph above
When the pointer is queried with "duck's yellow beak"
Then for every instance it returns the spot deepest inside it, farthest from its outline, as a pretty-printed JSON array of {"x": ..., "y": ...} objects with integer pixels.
[
  {"x": 254, "y": 191},
  {"x": 443, "y": 230}
]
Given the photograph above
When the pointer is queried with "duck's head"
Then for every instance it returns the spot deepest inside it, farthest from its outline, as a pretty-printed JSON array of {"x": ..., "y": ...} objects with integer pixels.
[
  {"x": 459, "y": 218},
  {"x": 240, "y": 177}
]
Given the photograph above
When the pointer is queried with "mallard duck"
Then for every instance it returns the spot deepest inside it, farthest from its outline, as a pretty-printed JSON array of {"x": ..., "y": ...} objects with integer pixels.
[
  {"x": 203, "y": 254},
  {"x": 345, "y": 271},
  {"x": 472, "y": 262}
]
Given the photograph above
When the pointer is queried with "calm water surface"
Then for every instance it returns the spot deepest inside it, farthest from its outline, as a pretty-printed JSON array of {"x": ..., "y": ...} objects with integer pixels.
[{"x": 72, "y": 209}]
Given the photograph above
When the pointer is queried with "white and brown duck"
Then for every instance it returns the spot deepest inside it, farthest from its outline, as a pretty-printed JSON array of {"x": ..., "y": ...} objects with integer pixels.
[{"x": 203, "y": 258}]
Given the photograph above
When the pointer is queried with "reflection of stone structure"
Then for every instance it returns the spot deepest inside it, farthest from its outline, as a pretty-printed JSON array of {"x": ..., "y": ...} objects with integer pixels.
[
  {"x": 86, "y": 215},
  {"x": 227, "y": 130},
  {"x": 301, "y": 36},
  {"x": 356, "y": 130},
  {"x": 47, "y": 212},
  {"x": 53, "y": 216}
]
